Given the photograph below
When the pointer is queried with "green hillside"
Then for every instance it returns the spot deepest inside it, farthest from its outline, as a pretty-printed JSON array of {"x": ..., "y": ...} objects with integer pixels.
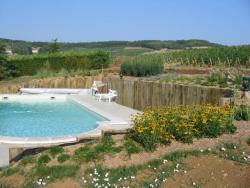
[{"x": 25, "y": 47}]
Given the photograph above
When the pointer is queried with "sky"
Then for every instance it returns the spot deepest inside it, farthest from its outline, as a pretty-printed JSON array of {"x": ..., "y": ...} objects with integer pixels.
[{"x": 221, "y": 21}]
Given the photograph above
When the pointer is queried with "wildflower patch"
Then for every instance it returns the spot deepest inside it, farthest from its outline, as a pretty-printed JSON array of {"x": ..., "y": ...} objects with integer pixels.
[{"x": 181, "y": 123}]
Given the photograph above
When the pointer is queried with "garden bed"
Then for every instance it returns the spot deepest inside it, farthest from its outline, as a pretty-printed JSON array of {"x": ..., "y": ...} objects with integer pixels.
[{"x": 112, "y": 156}]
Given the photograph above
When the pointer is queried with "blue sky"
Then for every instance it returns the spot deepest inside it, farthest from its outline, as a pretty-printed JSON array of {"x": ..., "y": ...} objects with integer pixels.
[{"x": 222, "y": 21}]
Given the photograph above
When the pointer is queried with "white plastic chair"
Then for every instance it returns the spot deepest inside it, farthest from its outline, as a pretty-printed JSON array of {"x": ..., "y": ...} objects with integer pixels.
[{"x": 110, "y": 96}]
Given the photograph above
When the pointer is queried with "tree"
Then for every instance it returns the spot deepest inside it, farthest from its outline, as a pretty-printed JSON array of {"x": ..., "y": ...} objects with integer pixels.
[
  {"x": 54, "y": 46},
  {"x": 2, "y": 51},
  {"x": 2, "y": 61},
  {"x": 6, "y": 69},
  {"x": 22, "y": 49}
]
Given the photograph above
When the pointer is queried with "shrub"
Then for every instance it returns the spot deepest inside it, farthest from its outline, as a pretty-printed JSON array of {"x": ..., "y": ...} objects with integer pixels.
[
  {"x": 27, "y": 160},
  {"x": 242, "y": 113},
  {"x": 143, "y": 66},
  {"x": 56, "y": 172},
  {"x": 131, "y": 146},
  {"x": 182, "y": 123},
  {"x": 248, "y": 141},
  {"x": 86, "y": 154},
  {"x": 9, "y": 171},
  {"x": 106, "y": 145},
  {"x": 56, "y": 150},
  {"x": 30, "y": 185},
  {"x": 238, "y": 81},
  {"x": 217, "y": 79},
  {"x": 4, "y": 185},
  {"x": 62, "y": 158},
  {"x": 177, "y": 155},
  {"x": 43, "y": 159}
]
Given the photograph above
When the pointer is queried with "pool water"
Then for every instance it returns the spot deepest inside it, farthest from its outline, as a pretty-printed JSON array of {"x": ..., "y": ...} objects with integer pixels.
[{"x": 46, "y": 118}]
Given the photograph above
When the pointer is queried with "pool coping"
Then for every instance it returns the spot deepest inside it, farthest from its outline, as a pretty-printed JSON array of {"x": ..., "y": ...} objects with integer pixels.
[{"x": 113, "y": 125}]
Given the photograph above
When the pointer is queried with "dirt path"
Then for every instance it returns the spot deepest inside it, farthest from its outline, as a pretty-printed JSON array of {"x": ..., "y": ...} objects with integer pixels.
[{"x": 242, "y": 133}]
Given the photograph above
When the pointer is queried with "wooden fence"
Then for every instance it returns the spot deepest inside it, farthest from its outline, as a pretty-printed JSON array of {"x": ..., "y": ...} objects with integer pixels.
[
  {"x": 138, "y": 94},
  {"x": 135, "y": 93}
]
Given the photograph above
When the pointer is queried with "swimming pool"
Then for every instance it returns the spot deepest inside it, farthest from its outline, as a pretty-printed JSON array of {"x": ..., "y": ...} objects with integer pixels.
[{"x": 45, "y": 117}]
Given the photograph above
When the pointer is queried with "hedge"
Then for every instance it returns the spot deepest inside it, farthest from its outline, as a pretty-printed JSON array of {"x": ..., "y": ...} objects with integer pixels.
[
  {"x": 144, "y": 65},
  {"x": 30, "y": 65}
]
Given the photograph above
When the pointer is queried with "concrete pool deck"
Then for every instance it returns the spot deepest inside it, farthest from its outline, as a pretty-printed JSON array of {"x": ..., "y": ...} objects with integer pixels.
[{"x": 119, "y": 120}]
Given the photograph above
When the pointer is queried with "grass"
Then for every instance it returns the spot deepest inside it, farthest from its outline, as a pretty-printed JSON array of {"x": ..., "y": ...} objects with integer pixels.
[
  {"x": 154, "y": 172},
  {"x": 242, "y": 112},
  {"x": 232, "y": 152},
  {"x": 106, "y": 146},
  {"x": 230, "y": 146},
  {"x": 87, "y": 153},
  {"x": 28, "y": 160},
  {"x": 4, "y": 185},
  {"x": 234, "y": 157},
  {"x": 9, "y": 171},
  {"x": 178, "y": 155},
  {"x": 63, "y": 157},
  {"x": 248, "y": 141},
  {"x": 56, "y": 150},
  {"x": 43, "y": 159},
  {"x": 123, "y": 175},
  {"x": 130, "y": 146},
  {"x": 160, "y": 177},
  {"x": 30, "y": 185},
  {"x": 56, "y": 172},
  {"x": 110, "y": 176},
  {"x": 155, "y": 163}
]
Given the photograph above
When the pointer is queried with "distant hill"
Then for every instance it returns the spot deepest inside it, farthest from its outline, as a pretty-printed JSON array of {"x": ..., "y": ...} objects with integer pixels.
[{"x": 25, "y": 47}]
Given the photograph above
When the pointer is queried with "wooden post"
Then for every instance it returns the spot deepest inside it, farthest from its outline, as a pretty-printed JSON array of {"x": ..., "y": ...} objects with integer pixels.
[{"x": 211, "y": 63}]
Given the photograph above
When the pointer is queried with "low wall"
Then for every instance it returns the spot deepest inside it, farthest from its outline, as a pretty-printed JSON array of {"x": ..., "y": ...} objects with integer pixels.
[
  {"x": 134, "y": 92},
  {"x": 138, "y": 93}
]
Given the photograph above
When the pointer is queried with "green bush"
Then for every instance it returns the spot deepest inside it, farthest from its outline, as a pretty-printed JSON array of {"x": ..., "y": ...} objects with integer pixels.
[
  {"x": 144, "y": 65},
  {"x": 56, "y": 150},
  {"x": 87, "y": 153},
  {"x": 248, "y": 141},
  {"x": 27, "y": 160},
  {"x": 30, "y": 185},
  {"x": 4, "y": 185},
  {"x": 9, "y": 171},
  {"x": 57, "y": 172},
  {"x": 30, "y": 65},
  {"x": 131, "y": 146},
  {"x": 242, "y": 113},
  {"x": 43, "y": 159},
  {"x": 217, "y": 79},
  {"x": 238, "y": 81},
  {"x": 62, "y": 158}
]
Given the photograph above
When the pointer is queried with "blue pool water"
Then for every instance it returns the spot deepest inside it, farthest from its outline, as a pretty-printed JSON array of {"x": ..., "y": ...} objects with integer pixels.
[{"x": 45, "y": 118}]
